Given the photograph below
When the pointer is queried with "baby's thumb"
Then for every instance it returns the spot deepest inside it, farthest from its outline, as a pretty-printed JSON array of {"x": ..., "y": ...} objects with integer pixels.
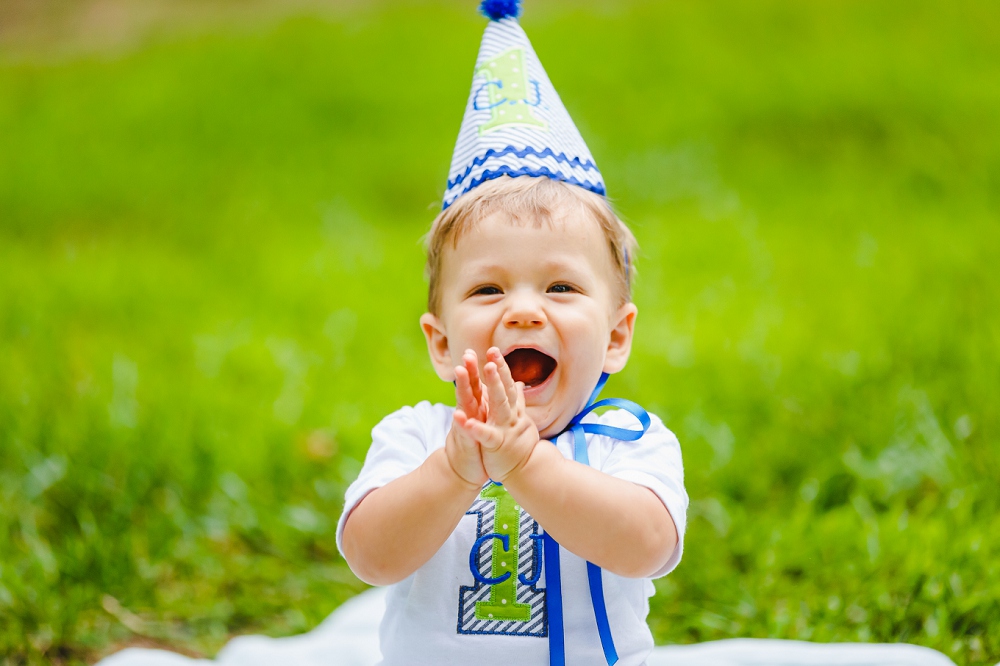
[{"x": 489, "y": 438}]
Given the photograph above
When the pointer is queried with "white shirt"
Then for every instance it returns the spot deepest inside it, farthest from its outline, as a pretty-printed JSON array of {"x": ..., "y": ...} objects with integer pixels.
[{"x": 442, "y": 614}]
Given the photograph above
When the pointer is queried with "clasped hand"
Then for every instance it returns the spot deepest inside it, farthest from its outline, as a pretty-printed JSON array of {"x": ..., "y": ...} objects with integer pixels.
[{"x": 492, "y": 434}]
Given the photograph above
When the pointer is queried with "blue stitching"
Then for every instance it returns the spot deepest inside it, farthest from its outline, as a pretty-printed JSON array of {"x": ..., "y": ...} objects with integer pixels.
[
  {"x": 538, "y": 97},
  {"x": 521, "y": 154},
  {"x": 536, "y": 561},
  {"x": 474, "y": 557},
  {"x": 513, "y": 102},
  {"x": 475, "y": 104},
  {"x": 534, "y": 173}
]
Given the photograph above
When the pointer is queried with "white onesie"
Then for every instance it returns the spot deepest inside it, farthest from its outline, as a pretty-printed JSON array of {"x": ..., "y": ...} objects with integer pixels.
[{"x": 446, "y": 613}]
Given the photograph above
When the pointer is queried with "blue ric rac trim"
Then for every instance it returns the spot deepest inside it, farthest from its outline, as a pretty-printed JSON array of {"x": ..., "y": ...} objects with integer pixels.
[
  {"x": 587, "y": 165},
  {"x": 597, "y": 188}
]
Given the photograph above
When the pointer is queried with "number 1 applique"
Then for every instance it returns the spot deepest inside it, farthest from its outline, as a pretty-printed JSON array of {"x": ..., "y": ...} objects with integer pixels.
[
  {"x": 507, "y": 93},
  {"x": 505, "y": 562}
]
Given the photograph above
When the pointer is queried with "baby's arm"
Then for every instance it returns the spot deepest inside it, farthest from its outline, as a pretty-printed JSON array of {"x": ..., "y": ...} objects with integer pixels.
[
  {"x": 618, "y": 525},
  {"x": 397, "y": 528}
]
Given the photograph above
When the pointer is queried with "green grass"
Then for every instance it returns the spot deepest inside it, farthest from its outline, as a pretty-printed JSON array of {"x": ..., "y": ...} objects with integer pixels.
[{"x": 210, "y": 278}]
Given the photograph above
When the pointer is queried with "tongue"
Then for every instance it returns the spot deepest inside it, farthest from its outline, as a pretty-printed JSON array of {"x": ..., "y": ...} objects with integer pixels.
[{"x": 530, "y": 366}]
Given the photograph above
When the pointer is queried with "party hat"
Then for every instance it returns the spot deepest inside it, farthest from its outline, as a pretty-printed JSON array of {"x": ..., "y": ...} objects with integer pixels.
[{"x": 515, "y": 124}]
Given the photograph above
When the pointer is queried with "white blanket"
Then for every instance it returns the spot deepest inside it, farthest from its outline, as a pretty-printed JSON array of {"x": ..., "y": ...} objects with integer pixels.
[{"x": 349, "y": 637}]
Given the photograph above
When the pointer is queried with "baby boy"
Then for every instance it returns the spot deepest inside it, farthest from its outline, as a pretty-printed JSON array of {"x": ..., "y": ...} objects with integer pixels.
[{"x": 491, "y": 532}]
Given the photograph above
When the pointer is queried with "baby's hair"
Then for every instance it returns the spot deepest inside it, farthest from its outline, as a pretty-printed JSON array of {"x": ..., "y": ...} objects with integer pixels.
[{"x": 536, "y": 200}]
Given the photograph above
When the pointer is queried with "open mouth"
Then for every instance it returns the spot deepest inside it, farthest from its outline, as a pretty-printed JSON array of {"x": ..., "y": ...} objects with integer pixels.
[{"x": 530, "y": 366}]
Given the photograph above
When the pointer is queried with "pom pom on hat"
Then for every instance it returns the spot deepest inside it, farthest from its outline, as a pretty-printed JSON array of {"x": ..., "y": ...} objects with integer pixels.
[{"x": 500, "y": 9}]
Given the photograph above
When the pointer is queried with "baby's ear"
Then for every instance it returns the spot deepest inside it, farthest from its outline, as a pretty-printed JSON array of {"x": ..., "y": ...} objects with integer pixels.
[
  {"x": 437, "y": 346},
  {"x": 620, "y": 342}
]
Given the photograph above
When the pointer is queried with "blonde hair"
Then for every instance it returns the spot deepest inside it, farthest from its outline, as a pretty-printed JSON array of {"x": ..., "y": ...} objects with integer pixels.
[{"x": 529, "y": 200}]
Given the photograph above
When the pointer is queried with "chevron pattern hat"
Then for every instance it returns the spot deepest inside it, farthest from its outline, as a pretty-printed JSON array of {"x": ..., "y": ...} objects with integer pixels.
[{"x": 515, "y": 124}]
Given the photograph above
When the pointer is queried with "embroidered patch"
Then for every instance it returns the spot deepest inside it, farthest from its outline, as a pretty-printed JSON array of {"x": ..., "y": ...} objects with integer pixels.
[
  {"x": 505, "y": 563},
  {"x": 507, "y": 93}
]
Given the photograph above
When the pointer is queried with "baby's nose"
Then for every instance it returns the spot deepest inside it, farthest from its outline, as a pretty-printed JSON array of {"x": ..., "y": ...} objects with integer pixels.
[{"x": 524, "y": 311}]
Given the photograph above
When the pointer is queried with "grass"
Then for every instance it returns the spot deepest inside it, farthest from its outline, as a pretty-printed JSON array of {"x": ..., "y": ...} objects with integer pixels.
[{"x": 210, "y": 277}]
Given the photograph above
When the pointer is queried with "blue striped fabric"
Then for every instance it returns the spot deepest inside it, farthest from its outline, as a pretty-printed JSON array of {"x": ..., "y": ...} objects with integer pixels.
[{"x": 514, "y": 123}]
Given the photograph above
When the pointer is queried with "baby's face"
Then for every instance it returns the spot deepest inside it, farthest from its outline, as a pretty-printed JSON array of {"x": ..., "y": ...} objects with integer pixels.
[{"x": 544, "y": 296}]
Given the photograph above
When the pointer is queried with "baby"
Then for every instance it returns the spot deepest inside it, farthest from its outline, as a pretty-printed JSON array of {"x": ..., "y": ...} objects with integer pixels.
[
  {"x": 463, "y": 510},
  {"x": 529, "y": 305}
]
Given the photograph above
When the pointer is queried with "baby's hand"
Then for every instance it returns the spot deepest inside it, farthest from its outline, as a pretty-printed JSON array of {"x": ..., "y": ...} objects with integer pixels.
[
  {"x": 462, "y": 449},
  {"x": 506, "y": 435}
]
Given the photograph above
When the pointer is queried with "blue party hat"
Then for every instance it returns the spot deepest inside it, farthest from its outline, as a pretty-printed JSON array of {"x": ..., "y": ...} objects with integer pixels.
[{"x": 515, "y": 124}]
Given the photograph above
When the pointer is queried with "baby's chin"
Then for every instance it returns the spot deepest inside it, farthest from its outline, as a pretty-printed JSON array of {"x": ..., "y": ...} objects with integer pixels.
[{"x": 549, "y": 424}]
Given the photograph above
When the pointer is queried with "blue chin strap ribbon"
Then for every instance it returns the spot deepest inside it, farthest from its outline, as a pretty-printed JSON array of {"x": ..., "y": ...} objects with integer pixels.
[{"x": 557, "y": 644}]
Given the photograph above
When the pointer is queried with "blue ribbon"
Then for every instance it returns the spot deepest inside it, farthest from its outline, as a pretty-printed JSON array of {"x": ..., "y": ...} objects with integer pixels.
[{"x": 553, "y": 582}]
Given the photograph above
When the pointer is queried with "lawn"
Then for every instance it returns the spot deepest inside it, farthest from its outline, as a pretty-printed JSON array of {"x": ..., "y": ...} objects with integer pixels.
[{"x": 211, "y": 274}]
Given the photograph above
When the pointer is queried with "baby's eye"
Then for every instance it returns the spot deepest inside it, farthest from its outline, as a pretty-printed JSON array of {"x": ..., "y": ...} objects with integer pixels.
[
  {"x": 561, "y": 289},
  {"x": 486, "y": 290}
]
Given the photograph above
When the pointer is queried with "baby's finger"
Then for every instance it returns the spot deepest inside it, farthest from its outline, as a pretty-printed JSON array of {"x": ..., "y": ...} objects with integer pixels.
[
  {"x": 508, "y": 380},
  {"x": 501, "y": 410},
  {"x": 464, "y": 393},
  {"x": 464, "y": 433},
  {"x": 471, "y": 362},
  {"x": 488, "y": 437},
  {"x": 461, "y": 418}
]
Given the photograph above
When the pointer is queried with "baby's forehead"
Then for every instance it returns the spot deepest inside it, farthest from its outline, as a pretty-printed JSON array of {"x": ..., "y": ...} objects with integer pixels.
[
  {"x": 569, "y": 218},
  {"x": 573, "y": 242}
]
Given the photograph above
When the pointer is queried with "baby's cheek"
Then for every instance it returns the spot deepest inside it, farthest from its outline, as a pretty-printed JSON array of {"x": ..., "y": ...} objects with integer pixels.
[{"x": 588, "y": 351}]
